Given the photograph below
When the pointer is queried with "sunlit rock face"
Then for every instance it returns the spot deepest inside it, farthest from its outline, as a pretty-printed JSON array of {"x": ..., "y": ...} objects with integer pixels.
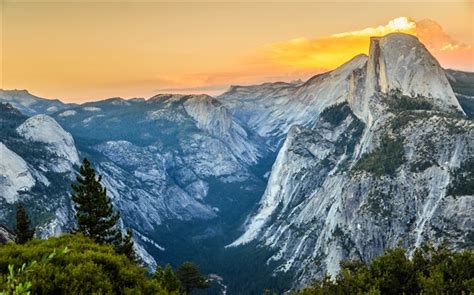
[
  {"x": 335, "y": 191},
  {"x": 272, "y": 108}
]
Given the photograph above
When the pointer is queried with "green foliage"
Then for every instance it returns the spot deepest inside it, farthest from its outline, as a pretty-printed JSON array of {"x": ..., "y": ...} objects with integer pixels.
[
  {"x": 87, "y": 268},
  {"x": 94, "y": 212},
  {"x": 16, "y": 284},
  {"x": 430, "y": 271},
  {"x": 167, "y": 278},
  {"x": 23, "y": 231},
  {"x": 10, "y": 119},
  {"x": 385, "y": 159},
  {"x": 463, "y": 179},
  {"x": 398, "y": 102},
  {"x": 335, "y": 114},
  {"x": 125, "y": 246},
  {"x": 190, "y": 277}
]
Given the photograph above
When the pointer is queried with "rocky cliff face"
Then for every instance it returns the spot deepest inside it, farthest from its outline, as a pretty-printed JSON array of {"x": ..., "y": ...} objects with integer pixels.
[
  {"x": 44, "y": 129},
  {"x": 37, "y": 162},
  {"x": 6, "y": 235},
  {"x": 272, "y": 108},
  {"x": 376, "y": 170}
]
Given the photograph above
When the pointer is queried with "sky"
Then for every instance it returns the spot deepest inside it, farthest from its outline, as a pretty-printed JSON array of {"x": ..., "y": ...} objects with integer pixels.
[{"x": 88, "y": 50}]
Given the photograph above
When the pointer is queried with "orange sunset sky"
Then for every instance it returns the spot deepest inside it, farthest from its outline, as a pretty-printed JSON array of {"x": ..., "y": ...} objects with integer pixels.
[{"x": 84, "y": 50}]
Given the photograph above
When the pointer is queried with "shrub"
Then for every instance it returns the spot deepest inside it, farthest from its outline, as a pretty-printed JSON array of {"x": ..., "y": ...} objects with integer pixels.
[
  {"x": 87, "y": 268},
  {"x": 335, "y": 114},
  {"x": 430, "y": 271},
  {"x": 463, "y": 179},
  {"x": 385, "y": 159},
  {"x": 399, "y": 102}
]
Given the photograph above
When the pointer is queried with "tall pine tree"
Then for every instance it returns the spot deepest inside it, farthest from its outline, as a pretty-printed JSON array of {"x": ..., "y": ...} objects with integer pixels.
[
  {"x": 23, "y": 231},
  {"x": 94, "y": 212}
]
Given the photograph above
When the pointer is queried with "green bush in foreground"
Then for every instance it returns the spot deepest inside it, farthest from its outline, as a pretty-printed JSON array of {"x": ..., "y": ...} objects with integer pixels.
[
  {"x": 86, "y": 268},
  {"x": 430, "y": 271}
]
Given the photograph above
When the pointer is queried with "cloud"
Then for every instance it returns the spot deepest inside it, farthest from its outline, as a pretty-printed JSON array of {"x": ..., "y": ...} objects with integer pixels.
[{"x": 330, "y": 51}]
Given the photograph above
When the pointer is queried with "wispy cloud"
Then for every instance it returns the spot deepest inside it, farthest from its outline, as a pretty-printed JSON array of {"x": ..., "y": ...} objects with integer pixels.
[{"x": 330, "y": 51}]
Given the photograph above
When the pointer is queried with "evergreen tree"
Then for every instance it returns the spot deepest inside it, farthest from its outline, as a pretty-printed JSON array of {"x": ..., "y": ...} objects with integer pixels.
[
  {"x": 158, "y": 274},
  {"x": 94, "y": 212},
  {"x": 167, "y": 278},
  {"x": 23, "y": 230},
  {"x": 126, "y": 246},
  {"x": 190, "y": 277}
]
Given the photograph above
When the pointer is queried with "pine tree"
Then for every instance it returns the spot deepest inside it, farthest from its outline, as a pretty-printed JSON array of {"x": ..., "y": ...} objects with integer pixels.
[
  {"x": 126, "y": 246},
  {"x": 167, "y": 278},
  {"x": 94, "y": 212},
  {"x": 23, "y": 230},
  {"x": 190, "y": 277}
]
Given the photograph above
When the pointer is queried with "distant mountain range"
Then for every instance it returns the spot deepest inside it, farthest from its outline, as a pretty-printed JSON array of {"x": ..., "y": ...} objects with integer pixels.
[{"x": 268, "y": 185}]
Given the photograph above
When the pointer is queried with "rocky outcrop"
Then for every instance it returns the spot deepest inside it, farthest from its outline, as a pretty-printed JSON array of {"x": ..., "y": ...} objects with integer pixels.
[
  {"x": 15, "y": 175},
  {"x": 374, "y": 171},
  {"x": 6, "y": 235},
  {"x": 44, "y": 129}
]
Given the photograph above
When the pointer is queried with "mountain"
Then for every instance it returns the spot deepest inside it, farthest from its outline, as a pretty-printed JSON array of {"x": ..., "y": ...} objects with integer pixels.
[
  {"x": 164, "y": 167},
  {"x": 29, "y": 104},
  {"x": 38, "y": 160},
  {"x": 391, "y": 163},
  {"x": 345, "y": 165},
  {"x": 178, "y": 167},
  {"x": 272, "y": 108}
]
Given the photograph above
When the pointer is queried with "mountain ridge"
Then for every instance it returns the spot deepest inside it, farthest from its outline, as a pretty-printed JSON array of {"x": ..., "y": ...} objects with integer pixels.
[{"x": 193, "y": 167}]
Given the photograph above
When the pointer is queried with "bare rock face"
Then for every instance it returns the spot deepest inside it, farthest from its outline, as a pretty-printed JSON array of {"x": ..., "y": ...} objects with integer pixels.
[
  {"x": 399, "y": 62},
  {"x": 271, "y": 109},
  {"x": 15, "y": 175},
  {"x": 376, "y": 169},
  {"x": 6, "y": 235},
  {"x": 44, "y": 129}
]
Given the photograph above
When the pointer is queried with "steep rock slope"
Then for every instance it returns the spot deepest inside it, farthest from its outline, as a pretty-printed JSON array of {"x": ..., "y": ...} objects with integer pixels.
[
  {"x": 32, "y": 170},
  {"x": 44, "y": 129},
  {"x": 14, "y": 173},
  {"x": 272, "y": 108},
  {"x": 391, "y": 164}
]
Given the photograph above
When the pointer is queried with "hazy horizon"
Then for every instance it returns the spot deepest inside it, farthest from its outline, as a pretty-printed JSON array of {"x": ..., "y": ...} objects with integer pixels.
[{"x": 87, "y": 51}]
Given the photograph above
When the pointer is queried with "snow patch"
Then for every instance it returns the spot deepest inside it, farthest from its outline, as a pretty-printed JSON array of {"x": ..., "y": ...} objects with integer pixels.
[{"x": 68, "y": 113}]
